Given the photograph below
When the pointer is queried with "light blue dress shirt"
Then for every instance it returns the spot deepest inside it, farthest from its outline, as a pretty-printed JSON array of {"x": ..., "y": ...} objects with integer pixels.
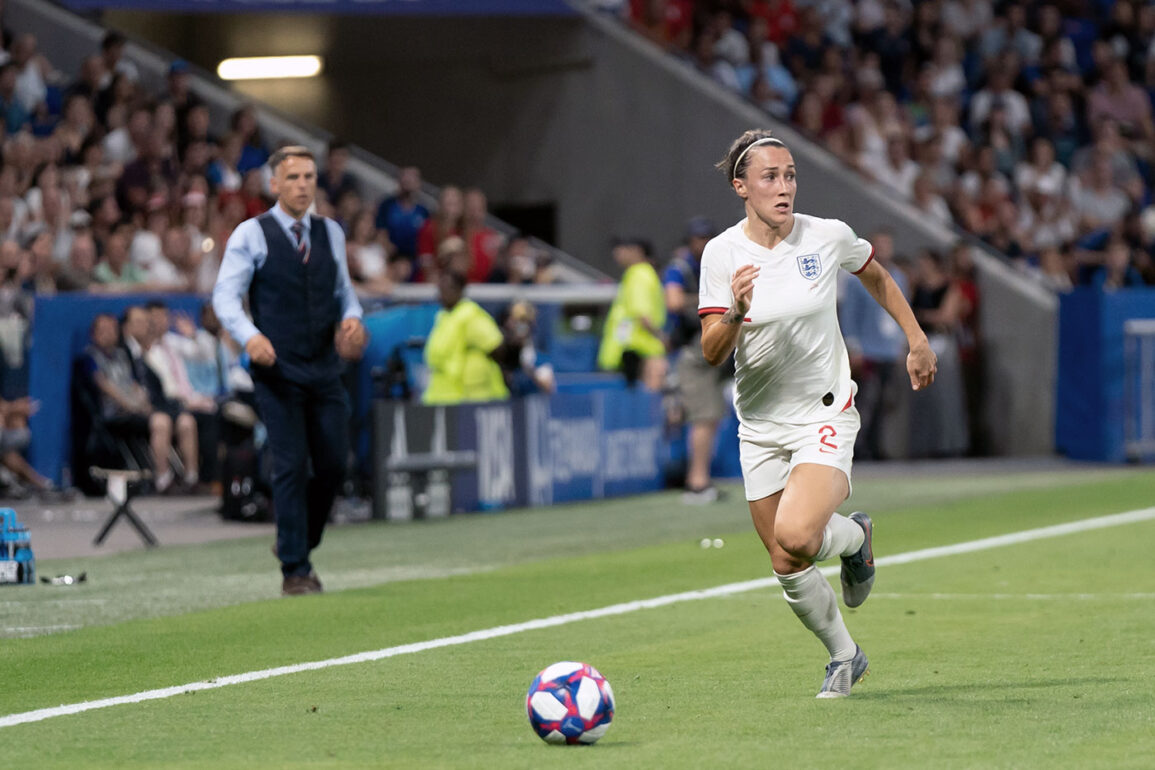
[
  {"x": 245, "y": 253},
  {"x": 866, "y": 325}
]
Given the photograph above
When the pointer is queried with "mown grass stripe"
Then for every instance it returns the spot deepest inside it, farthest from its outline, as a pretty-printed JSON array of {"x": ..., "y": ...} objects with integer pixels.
[{"x": 729, "y": 589}]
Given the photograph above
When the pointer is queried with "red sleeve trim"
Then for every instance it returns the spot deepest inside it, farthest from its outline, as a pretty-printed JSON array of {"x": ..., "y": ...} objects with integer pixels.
[
  {"x": 868, "y": 261},
  {"x": 703, "y": 311},
  {"x": 849, "y": 402}
]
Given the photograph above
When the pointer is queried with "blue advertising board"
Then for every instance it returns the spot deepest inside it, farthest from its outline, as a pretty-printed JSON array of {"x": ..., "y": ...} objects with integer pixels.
[
  {"x": 538, "y": 450},
  {"x": 396, "y": 7},
  {"x": 1090, "y": 419}
]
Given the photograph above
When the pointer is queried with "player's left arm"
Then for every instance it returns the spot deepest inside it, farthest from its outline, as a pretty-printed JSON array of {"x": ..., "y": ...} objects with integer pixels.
[{"x": 921, "y": 362}]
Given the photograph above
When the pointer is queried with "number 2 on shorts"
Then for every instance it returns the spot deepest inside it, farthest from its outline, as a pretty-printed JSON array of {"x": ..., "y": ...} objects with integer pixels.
[{"x": 825, "y": 433}]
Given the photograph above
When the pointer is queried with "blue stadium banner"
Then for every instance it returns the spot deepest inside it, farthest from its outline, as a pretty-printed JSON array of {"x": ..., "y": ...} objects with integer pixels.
[
  {"x": 429, "y": 462},
  {"x": 397, "y": 7}
]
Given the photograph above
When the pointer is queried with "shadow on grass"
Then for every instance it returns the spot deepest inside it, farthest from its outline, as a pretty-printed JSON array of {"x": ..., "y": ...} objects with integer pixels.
[{"x": 981, "y": 687}]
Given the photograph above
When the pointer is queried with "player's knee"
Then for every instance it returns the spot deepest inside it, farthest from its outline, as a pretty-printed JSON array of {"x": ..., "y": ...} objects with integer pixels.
[{"x": 798, "y": 542}]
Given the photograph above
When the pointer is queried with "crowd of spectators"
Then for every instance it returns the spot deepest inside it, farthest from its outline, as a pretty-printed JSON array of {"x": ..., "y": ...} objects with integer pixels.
[
  {"x": 109, "y": 187},
  {"x": 1026, "y": 123}
]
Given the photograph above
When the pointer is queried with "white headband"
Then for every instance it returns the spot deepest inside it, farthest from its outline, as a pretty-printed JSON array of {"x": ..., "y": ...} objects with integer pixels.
[{"x": 765, "y": 140}]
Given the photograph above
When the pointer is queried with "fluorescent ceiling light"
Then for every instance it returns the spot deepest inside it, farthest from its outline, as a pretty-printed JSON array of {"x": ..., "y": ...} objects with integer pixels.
[{"x": 269, "y": 67}]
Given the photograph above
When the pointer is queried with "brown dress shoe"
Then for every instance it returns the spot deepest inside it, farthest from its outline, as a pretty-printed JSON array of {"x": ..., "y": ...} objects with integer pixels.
[
  {"x": 316, "y": 581},
  {"x": 299, "y": 585}
]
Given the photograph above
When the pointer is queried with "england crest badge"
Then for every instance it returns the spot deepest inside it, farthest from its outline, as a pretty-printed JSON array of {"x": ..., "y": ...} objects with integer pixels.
[{"x": 810, "y": 265}]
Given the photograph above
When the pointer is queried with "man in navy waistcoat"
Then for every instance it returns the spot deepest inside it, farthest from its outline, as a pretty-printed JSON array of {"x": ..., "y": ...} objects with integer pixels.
[{"x": 291, "y": 267}]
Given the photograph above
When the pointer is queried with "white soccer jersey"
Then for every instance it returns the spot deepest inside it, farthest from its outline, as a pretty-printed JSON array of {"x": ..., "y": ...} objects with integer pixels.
[{"x": 792, "y": 365}]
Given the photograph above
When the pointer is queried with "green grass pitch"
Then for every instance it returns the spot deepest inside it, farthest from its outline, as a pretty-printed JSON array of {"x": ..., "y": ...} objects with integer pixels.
[{"x": 1037, "y": 654}]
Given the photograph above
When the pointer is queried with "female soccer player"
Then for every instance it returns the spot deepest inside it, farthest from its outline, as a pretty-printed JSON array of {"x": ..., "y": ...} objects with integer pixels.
[{"x": 768, "y": 295}]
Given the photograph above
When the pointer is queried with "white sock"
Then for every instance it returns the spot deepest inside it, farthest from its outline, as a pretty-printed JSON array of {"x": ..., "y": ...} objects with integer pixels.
[
  {"x": 813, "y": 601},
  {"x": 841, "y": 537},
  {"x": 164, "y": 480},
  {"x": 191, "y": 478}
]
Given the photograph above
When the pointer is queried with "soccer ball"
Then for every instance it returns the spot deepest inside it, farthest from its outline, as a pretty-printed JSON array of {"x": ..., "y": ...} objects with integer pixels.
[{"x": 570, "y": 702}]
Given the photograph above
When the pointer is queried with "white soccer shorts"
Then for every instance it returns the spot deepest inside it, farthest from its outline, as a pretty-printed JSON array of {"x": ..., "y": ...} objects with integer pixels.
[{"x": 769, "y": 454}]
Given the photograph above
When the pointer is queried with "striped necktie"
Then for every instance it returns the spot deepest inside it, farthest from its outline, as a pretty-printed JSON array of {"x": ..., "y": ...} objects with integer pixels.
[{"x": 299, "y": 234}]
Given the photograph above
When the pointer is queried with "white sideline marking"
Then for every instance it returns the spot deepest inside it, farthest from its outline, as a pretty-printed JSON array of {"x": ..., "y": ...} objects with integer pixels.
[
  {"x": 1017, "y": 597},
  {"x": 1084, "y": 525}
]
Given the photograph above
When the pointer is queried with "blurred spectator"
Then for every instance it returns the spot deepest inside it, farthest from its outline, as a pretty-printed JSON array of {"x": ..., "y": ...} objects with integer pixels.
[
  {"x": 1096, "y": 201},
  {"x": 400, "y": 268},
  {"x": 1124, "y": 102},
  {"x": 16, "y": 304},
  {"x": 632, "y": 339},
  {"x": 938, "y": 417},
  {"x": 543, "y": 268},
  {"x": 335, "y": 178},
  {"x": 167, "y": 356},
  {"x": 346, "y": 207},
  {"x": 1118, "y": 270},
  {"x": 368, "y": 256},
  {"x": 700, "y": 386},
  {"x": 252, "y": 194},
  {"x": 179, "y": 93},
  {"x": 33, "y": 72},
  {"x": 104, "y": 213},
  {"x": 964, "y": 281},
  {"x": 76, "y": 274},
  {"x": 21, "y": 479},
  {"x": 195, "y": 129},
  {"x": 516, "y": 261},
  {"x": 1047, "y": 215},
  {"x": 401, "y": 216},
  {"x": 254, "y": 153},
  {"x": 115, "y": 269},
  {"x": 927, "y": 200},
  {"x": 895, "y": 169},
  {"x": 965, "y": 19},
  {"x": 155, "y": 167},
  {"x": 525, "y": 369},
  {"x": 665, "y": 22},
  {"x": 1041, "y": 169},
  {"x": 128, "y": 128},
  {"x": 768, "y": 82},
  {"x": 222, "y": 172},
  {"x": 446, "y": 222},
  {"x": 138, "y": 336},
  {"x": 146, "y": 245},
  {"x": 75, "y": 127},
  {"x": 170, "y": 271},
  {"x": 1055, "y": 268},
  {"x": 1109, "y": 143},
  {"x": 1007, "y": 144},
  {"x": 205, "y": 358},
  {"x": 112, "y": 56},
  {"x": 38, "y": 243},
  {"x": 705, "y": 58},
  {"x": 124, "y": 404},
  {"x": 452, "y": 255},
  {"x": 484, "y": 242},
  {"x": 462, "y": 349},
  {"x": 877, "y": 349},
  {"x": 16, "y": 116}
]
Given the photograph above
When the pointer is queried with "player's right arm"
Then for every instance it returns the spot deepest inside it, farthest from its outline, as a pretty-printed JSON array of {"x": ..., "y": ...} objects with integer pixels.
[{"x": 720, "y": 330}]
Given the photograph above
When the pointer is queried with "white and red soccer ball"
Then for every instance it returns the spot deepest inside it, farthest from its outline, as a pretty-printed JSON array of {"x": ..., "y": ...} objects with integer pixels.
[{"x": 570, "y": 702}]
